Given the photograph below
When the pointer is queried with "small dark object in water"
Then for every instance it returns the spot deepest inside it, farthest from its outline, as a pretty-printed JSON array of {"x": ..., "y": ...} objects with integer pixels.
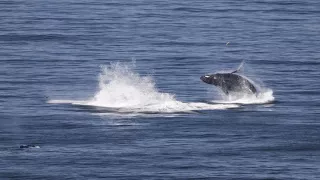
[{"x": 28, "y": 146}]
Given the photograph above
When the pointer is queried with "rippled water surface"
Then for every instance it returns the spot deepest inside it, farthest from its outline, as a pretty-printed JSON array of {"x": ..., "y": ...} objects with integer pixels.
[{"x": 111, "y": 89}]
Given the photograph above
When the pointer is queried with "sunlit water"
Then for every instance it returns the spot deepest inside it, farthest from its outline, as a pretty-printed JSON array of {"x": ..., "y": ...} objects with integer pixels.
[{"x": 111, "y": 90}]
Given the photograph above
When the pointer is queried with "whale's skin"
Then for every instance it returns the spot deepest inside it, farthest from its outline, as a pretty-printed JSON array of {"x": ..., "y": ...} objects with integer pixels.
[{"x": 230, "y": 82}]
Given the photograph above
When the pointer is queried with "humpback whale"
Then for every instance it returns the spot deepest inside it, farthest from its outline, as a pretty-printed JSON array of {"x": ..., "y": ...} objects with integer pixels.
[{"x": 230, "y": 82}]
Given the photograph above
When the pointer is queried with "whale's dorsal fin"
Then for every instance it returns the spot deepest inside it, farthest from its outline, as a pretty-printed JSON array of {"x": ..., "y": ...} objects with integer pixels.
[{"x": 240, "y": 68}]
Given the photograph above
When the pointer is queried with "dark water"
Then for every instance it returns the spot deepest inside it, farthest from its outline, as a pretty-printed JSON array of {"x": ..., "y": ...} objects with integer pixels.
[{"x": 54, "y": 49}]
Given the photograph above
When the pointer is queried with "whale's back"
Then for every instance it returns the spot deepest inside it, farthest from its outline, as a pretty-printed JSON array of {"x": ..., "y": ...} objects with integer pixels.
[{"x": 231, "y": 82}]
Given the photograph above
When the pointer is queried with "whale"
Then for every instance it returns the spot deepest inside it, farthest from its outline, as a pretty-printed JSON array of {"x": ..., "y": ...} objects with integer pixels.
[{"x": 231, "y": 82}]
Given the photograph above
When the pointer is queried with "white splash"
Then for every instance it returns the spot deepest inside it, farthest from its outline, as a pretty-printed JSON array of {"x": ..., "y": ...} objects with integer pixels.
[
  {"x": 122, "y": 89},
  {"x": 264, "y": 96}
]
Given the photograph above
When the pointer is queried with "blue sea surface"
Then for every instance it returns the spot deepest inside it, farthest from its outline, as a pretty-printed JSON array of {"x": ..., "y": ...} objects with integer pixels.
[{"x": 111, "y": 89}]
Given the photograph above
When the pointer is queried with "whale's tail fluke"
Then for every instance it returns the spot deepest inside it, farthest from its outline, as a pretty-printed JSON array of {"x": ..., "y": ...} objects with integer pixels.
[{"x": 240, "y": 68}]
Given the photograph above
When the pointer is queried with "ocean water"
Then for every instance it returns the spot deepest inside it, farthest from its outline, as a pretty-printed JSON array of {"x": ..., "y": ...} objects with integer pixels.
[{"x": 111, "y": 89}]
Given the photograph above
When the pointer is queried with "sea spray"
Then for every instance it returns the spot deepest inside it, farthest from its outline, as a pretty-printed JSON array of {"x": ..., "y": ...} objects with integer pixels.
[
  {"x": 123, "y": 90},
  {"x": 264, "y": 96},
  {"x": 120, "y": 86}
]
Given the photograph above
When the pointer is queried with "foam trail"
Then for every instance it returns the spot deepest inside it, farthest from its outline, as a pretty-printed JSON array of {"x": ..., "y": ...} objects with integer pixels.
[
  {"x": 63, "y": 101},
  {"x": 122, "y": 89}
]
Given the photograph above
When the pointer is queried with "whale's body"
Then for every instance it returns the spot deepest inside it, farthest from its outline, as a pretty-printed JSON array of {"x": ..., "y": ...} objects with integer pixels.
[{"x": 230, "y": 82}]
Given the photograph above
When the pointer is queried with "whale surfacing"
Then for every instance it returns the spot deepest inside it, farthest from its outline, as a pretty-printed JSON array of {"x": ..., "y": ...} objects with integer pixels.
[{"x": 230, "y": 82}]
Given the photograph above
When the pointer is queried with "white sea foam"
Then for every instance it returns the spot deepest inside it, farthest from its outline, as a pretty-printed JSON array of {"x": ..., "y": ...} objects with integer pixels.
[
  {"x": 264, "y": 96},
  {"x": 122, "y": 89}
]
